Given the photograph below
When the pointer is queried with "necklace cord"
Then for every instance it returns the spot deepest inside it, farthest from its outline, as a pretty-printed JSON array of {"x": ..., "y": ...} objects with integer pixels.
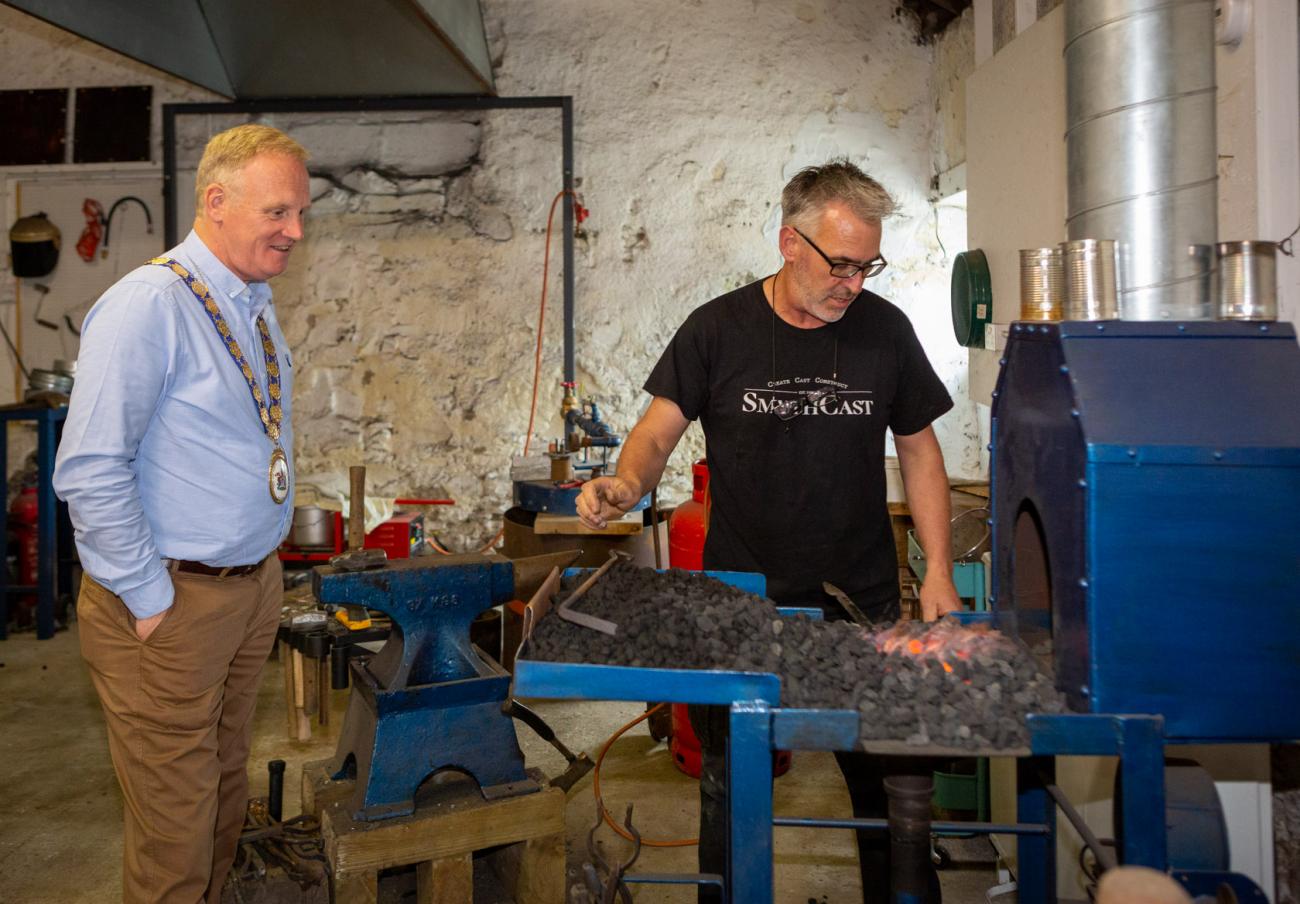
[{"x": 835, "y": 337}]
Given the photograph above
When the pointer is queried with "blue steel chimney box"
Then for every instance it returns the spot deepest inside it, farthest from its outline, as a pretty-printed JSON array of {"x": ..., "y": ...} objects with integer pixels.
[{"x": 1146, "y": 516}]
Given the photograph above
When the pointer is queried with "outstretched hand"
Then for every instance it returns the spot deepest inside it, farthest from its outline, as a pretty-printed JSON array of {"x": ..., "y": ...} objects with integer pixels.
[{"x": 605, "y": 498}]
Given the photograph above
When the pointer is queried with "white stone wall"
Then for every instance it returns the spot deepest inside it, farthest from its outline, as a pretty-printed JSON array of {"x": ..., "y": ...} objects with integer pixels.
[
  {"x": 954, "y": 61},
  {"x": 690, "y": 117},
  {"x": 412, "y": 307}
]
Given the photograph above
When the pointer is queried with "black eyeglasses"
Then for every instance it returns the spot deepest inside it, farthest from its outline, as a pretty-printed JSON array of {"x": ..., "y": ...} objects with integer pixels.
[
  {"x": 789, "y": 409},
  {"x": 845, "y": 269}
]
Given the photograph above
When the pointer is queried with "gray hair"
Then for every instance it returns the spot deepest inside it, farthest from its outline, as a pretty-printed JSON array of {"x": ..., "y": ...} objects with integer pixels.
[
  {"x": 230, "y": 151},
  {"x": 813, "y": 187}
]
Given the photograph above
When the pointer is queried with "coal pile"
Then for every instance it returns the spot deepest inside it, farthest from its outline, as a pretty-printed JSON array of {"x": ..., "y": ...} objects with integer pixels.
[{"x": 936, "y": 684}]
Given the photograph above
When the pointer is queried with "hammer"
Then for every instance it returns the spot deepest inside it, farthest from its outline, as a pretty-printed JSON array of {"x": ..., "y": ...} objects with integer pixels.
[
  {"x": 358, "y": 558},
  {"x": 579, "y": 764}
]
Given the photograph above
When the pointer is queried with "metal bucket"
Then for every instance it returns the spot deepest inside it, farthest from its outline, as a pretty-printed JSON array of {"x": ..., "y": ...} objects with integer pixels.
[
  {"x": 1042, "y": 284},
  {"x": 1091, "y": 284},
  {"x": 1247, "y": 280},
  {"x": 970, "y": 534},
  {"x": 313, "y": 526},
  {"x": 41, "y": 381}
]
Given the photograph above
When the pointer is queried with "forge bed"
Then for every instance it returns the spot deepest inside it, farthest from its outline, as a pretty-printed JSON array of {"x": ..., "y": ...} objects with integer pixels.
[{"x": 760, "y": 725}]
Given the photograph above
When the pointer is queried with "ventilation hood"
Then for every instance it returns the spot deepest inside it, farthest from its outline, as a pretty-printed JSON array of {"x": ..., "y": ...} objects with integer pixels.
[{"x": 248, "y": 49}]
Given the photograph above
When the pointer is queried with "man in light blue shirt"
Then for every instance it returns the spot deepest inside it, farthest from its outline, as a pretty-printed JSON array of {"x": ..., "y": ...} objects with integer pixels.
[{"x": 176, "y": 464}]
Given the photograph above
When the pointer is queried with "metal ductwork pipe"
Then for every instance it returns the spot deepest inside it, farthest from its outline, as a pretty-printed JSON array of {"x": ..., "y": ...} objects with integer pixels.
[{"x": 1140, "y": 140}]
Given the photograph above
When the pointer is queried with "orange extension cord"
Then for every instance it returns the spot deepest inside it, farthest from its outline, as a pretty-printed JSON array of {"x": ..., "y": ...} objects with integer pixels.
[
  {"x": 595, "y": 787},
  {"x": 537, "y": 363}
]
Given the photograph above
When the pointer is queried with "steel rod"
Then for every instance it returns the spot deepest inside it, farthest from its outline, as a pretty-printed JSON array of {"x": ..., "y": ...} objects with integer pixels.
[
  {"x": 940, "y": 828},
  {"x": 1104, "y": 855},
  {"x": 343, "y": 104},
  {"x": 566, "y": 142},
  {"x": 710, "y": 879},
  {"x": 582, "y": 618}
]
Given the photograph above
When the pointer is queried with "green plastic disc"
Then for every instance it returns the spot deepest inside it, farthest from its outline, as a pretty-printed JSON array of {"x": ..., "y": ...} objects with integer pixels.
[{"x": 972, "y": 297}]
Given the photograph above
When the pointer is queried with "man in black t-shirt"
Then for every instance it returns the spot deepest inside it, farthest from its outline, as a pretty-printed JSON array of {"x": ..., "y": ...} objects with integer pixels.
[{"x": 795, "y": 379}]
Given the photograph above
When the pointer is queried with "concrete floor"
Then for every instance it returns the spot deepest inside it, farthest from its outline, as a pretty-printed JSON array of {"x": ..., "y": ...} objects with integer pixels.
[{"x": 60, "y": 834}]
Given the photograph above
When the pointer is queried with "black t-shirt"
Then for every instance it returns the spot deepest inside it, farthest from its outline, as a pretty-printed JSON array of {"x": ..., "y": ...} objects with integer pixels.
[{"x": 801, "y": 500}]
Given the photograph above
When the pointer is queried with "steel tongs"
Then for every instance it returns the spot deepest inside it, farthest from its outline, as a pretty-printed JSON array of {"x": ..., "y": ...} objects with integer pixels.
[{"x": 613, "y": 885}]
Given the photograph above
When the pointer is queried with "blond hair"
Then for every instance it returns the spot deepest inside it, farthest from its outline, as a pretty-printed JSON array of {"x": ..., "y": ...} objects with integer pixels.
[
  {"x": 229, "y": 151},
  {"x": 807, "y": 194}
]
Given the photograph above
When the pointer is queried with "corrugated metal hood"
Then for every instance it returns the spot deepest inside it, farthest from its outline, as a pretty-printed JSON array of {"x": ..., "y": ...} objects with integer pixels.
[{"x": 249, "y": 49}]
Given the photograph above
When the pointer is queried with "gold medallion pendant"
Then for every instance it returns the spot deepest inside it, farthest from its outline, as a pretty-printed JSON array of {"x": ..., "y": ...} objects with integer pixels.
[{"x": 278, "y": 476}]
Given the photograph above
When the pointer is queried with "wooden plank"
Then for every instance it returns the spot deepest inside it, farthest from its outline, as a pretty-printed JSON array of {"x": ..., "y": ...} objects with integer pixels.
[
  {"x": 300, "y": 698},
  {"x": 979, "y": 490},
  {"x": 325, "y": 684},
  {"x": 572, "y": 525},
  {"x": 299, "y": 692},
  {"x": 533, "y": 870},
  {"x": 291, "y": 713},
  {"x": 450, "y": 819},
  {"x": 446, "y": 881},
  {"x": 319, "y": 790},
  {"x": 357, "y": 888},
  {"x": 310, "y": 685},
  {"x": 964, "y": 494}
]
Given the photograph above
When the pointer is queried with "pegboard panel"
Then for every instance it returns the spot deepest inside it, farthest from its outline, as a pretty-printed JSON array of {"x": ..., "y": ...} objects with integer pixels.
[{"x": 74, "y": 285}]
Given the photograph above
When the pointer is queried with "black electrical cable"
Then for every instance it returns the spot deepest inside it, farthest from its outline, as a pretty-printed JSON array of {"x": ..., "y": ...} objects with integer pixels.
[
  {"x": 1285, "y": 245},
  {"x": 17, "y": 357},
  {"x": 108, "y": 220}
]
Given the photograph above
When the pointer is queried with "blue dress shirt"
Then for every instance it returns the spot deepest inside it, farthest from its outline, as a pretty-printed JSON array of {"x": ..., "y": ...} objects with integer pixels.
[{"x": 163, "y": 453}]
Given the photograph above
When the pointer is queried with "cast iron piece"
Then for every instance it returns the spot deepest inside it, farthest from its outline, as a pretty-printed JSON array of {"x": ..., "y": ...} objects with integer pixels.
[{"x": 427, "y": 701}]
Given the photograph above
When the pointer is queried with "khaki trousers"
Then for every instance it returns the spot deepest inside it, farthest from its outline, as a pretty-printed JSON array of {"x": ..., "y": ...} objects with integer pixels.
[{"x": 179, "y": 708}]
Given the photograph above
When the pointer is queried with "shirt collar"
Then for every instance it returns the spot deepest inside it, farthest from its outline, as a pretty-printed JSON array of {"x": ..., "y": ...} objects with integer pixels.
[{"x": 222, "y": 282}]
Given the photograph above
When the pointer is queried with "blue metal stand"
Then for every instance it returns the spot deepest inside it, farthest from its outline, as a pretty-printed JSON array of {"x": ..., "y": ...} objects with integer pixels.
[
  {"x": 757, "y": 728},
  {"x": 53, "y": 556},
  {"x": 749, "y": 767}
]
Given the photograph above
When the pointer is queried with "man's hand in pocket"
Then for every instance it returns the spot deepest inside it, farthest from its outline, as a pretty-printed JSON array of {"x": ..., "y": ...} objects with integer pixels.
[{"x": 146, "y": 626}]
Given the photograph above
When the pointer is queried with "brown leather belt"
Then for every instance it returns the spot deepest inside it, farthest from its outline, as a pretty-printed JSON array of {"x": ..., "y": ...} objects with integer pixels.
[{"x": 233, "y": 571}]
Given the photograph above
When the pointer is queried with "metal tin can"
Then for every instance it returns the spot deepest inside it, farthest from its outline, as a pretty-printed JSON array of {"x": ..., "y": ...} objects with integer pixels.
[
  {"x": 1247, "y": 280},
  {"x": 1042, "y": 284},
  {"x": 1091, "y": 284}
]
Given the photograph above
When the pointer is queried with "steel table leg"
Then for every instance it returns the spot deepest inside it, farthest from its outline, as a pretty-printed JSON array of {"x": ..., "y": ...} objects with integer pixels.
[
  {"x": 749, "y": 784},
  {"x": 46, "y": 527},
  {"x": 1036, "y": 854},
  {"x": 4, "y": 528},
  {"x": 64, "y": 539},
  {"x": 1142, "y": 767}
]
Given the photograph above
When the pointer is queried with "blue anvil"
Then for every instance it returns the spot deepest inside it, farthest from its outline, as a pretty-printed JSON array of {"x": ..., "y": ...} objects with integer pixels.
[{"x": 427, "y": 701}]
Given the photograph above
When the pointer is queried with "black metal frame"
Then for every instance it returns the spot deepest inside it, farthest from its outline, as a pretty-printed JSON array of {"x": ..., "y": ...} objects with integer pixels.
[{"x": 563, "y": 103}]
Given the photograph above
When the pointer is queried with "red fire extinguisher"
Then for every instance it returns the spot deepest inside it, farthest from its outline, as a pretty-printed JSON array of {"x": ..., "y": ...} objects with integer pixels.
[
  {"x": 687, "y": 528},
  {"x": 23, "y": 518}
]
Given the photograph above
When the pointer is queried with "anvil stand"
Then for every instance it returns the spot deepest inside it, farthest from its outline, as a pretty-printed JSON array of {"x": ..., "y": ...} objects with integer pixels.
[{"x": 427, "y": 701}]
